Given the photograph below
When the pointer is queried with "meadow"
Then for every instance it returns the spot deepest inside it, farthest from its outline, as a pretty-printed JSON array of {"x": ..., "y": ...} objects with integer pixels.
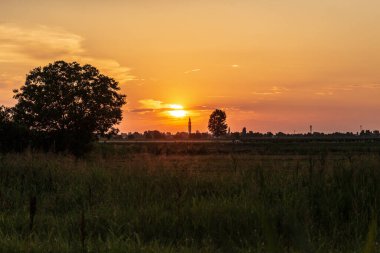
[{"x": 193, "y": 197}]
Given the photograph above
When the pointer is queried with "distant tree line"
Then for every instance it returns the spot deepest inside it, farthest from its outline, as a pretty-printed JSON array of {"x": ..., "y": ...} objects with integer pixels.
[
  {"x": 243, "y": 135},
  {"x": 157, "y": 135},
  {"x": 219, "y": 129}
]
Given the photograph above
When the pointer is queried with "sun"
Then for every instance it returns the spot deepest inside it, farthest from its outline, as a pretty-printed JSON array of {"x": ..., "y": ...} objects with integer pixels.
[{"x": 177, "y": 112}]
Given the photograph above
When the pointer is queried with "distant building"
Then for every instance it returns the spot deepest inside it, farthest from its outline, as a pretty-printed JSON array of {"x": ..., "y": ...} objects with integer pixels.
[{"x": 189, "y": 126}]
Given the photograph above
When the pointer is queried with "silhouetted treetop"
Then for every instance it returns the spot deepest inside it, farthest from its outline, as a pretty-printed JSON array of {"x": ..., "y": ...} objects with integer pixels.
[
  {"x": 5, "y": 114},
  {"x": 69, "y": 103},
  {"x": 217, "y": 123},
  {"x": 69, "y": 97}
]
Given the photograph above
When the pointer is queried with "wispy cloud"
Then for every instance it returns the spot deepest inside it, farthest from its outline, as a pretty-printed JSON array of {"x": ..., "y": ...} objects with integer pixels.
[
  {"x": 141, "y": 110},
  {"x": 7, "y": 80},
  {"x": 275, "y": 90},
  {"x": 151, "y": 105},
  {"x": 157, "y": 106},
  {"x": 25, "y": 48},
  {"x": 38, "y": 43},
  {"x": 366, "y": 86},
  {"x": 329, "y": 91},
  {"x": 110, "y": 67},
  {"x": 324, "y": 93},
  {"x": 202, "y": 108},
  {"x": 192, "y": 71},
  {"x": 218, "y": 96}
]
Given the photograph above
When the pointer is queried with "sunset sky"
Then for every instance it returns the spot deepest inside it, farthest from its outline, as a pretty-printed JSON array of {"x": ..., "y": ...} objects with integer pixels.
[{"x": 272, "y": 65}]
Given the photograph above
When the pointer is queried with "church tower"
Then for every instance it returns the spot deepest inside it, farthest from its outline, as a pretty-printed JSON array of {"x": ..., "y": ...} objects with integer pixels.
[{"x": 189, "y": 126}]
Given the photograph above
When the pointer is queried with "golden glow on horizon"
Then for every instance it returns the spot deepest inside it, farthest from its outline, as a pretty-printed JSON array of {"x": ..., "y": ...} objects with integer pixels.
[{"x": 177, "y": 113}]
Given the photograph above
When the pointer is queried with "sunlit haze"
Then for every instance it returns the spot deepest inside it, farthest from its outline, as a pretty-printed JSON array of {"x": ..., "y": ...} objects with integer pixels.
[{"x": 271, "y": 65}]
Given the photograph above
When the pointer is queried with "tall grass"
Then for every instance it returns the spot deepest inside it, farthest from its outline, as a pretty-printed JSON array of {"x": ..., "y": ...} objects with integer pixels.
[{"x": 144, "y": 202}]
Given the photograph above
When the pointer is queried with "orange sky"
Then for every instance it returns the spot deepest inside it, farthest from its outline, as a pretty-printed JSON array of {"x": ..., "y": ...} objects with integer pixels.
[{"x": 272, "y": 65}]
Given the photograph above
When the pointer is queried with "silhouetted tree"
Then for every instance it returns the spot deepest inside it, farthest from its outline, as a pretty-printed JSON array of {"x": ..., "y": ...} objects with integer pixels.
[
  {"x": 67, "y": 105},
  {"x": 13, "y": 137},
  {"x": 217, "y": 123}
]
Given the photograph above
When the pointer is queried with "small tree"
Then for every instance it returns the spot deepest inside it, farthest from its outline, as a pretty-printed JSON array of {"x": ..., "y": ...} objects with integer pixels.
[
  {"x": 67, "y": 105},
  {"x": 217, "y": 123}
]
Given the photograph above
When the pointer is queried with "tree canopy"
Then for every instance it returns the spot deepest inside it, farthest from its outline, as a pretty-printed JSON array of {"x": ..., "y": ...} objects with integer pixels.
[
  {"x": 217, "y": 123},
  {"x": 69, "y": 103},
  {"x": 5, "y": 115}
]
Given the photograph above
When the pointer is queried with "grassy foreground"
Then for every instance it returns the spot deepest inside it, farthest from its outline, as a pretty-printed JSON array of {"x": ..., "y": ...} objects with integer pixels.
[{"x": 116, "y": 201}]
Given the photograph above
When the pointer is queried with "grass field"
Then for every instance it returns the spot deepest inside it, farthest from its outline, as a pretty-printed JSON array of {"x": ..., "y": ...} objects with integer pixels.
[{"x": 195, "y": 197}]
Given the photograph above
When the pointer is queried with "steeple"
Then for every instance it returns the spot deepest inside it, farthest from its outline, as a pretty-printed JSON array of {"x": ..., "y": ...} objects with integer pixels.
[{"x": 189, "y": 126}]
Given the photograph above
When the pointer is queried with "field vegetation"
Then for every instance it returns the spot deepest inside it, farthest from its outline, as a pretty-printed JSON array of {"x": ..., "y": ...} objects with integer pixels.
[{"x": 194, "y": 197}]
